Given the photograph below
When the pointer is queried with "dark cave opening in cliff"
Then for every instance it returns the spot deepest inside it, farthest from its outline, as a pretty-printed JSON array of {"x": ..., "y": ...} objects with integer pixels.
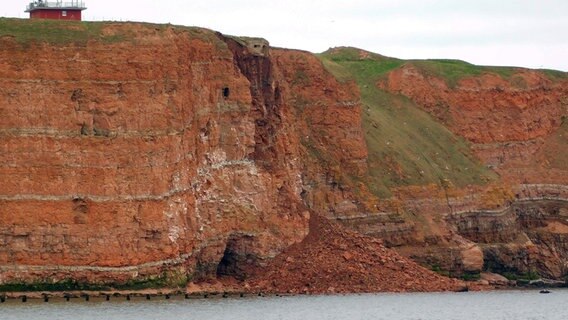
[
  {"x": 235, "y": 257},
  {"x": 228, "y": 264},
  {"x": 226, "y": 92}
]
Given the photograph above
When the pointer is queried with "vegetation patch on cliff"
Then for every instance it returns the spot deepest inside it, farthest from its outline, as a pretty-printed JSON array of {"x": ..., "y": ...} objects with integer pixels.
[
  {"x": 406, "y": 145},
  {"x": 64, "y": 285},
  {"x": 26, "y": 31},
  {"x": 54, "y": 31},
  {"x": 452, "y": 71},
  {"x": 369, "y": 65},
  {"x": 164, "y": 280}
]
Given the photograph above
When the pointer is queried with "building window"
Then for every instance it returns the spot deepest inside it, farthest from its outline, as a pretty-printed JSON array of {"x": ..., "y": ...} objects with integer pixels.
[{"x": 64, "y": 13}]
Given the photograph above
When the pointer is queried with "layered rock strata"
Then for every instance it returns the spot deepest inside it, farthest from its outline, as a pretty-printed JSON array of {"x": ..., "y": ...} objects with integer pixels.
[
  {"x": 145, "y": 157},
  {"x": 512, "y": 121},
  {"x": 516, "y": 126},
  {"x": 174, "y": 154}
]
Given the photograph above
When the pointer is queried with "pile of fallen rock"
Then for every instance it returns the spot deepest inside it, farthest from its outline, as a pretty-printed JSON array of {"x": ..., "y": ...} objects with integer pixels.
[{"x": 334, "y": 260}]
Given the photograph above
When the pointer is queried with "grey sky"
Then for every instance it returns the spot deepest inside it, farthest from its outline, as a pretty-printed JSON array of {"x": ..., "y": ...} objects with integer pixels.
[{"x": 524, "y": 33}]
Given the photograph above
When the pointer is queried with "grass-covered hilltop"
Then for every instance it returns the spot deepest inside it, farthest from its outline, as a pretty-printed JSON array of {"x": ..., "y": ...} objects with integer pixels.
[{"x": 406, "y": 145}]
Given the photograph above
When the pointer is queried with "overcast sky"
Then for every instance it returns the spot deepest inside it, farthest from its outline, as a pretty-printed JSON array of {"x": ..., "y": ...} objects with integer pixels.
[{"x": 528, "y": 33}]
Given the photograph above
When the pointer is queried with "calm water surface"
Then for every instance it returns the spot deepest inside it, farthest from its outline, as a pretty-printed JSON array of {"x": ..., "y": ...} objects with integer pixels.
[{"x": 510, "y": 305}]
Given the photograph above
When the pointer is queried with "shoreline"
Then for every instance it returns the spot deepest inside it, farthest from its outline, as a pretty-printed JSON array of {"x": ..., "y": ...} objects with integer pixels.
[{"x": 177, "y": 293}]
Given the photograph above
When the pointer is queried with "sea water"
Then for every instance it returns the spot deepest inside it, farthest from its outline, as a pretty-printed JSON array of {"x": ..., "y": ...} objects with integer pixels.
[{"x": 510, "y": 305}]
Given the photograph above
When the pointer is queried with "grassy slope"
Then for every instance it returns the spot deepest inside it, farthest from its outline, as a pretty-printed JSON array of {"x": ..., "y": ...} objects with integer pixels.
[
  {"x": 406, "y": 145},
  {"x": 454, "y": 70},
  {"x": 58, "y": 32},
  {"x": 53, "y": 31},
  {"x": 449, "y": 70}
]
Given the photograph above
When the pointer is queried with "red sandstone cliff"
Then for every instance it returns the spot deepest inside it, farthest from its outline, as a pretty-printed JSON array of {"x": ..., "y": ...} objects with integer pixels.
[
  {"x": 158, "y": 155},
  {"x": 516, "y": 123},
  {"x": 176, "y": 154},
  {"x": 126, "y": 160},
  {"x": 511, "y": 121}
]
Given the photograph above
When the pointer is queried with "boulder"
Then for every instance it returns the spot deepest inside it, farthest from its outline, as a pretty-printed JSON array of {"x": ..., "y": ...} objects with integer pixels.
[
  {"x": 472, "y": 259},
  {"x": 494, "y": 279}
]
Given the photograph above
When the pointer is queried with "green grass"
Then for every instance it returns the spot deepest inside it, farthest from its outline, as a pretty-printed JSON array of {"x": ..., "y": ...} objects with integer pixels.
[
  {"x": 57, "y": 32},
  {"x": 161, "y": 281},
  {"x": 171, "y": 279},
  {"x": 471, "y": 276},
  {"x": 65, "y": 285},
  {"x": 522, "y": 276},
  {"x": 554, "y": 74},
  {"x": 452, "y": 71},
  {"x": 345, "y": 63},
  {"x": 406, "y": 145},
  {"x": 54, "y": 31},
  {"x": 436, "y": 268}
]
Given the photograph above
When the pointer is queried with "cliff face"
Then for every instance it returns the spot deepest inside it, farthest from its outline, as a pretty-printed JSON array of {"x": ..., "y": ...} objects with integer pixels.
[
  {"x": 153, "y": 154},
  {"x": 516, "y": 122},
  {"x": 510, "y": 118},
  {"x": 513, "y": 121},
  {"x": 129, "y": 159},
  {"x": 148, "y": 155}
]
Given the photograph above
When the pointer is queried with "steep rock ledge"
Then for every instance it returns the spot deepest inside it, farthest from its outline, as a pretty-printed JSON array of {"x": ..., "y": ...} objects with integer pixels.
[{"x": 528, "y": 236}]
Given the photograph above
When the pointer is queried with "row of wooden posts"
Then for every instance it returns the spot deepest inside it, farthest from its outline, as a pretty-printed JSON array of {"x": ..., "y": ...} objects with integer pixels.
[{"x": 87, "y": 297}]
